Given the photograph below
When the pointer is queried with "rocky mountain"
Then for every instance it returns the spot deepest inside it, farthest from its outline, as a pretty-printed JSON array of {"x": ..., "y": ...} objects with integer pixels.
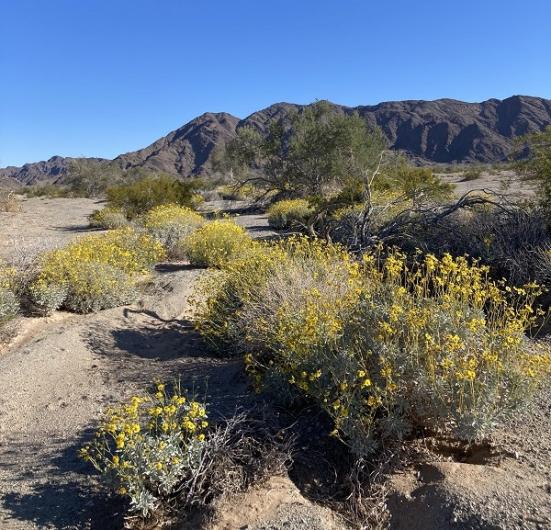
[
  {"x": 53, "y": 170},
  {"x": 440, "y": 131}
]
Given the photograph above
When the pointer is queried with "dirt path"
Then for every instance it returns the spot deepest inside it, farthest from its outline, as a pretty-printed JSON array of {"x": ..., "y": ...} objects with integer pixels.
[
  {"x": 44, "y": 223},
  {"x": 61, "y": 372}
]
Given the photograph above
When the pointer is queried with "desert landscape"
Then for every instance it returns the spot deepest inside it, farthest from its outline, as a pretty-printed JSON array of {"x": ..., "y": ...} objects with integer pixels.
[{"x": 275, "y": 266}]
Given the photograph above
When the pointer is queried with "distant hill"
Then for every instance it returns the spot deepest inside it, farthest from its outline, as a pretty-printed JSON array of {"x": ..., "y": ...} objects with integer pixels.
[{"x": 440, "y": 131}]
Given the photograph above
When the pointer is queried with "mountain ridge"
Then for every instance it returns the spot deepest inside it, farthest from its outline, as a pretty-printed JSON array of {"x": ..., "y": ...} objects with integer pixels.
[{"x": 439, "y": 131}]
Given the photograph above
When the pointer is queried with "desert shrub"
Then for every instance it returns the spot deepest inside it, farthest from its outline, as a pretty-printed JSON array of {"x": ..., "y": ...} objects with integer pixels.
[
  {"x": 126, "y": 249},
  {"x": 46, "y": 297},
  {"x": 149, "y": 447},
  {"x": 472, "y": 173},
  {"x": 97, "y": 286},
  {"x": 170, "y": 224},
  {"x": 289, "y": 213},
  {"x": 9, "y": 302},
  {"x": 217, "y": 242},
  {"x": 97, "y": 271},
  {"x": 9, "y": 202},
  {"x": 138, "y": 197},
  {"x": 53, "y": 191},
  {"x": 385, "y": 346},
  {"x": 108, "y": 218},
  {"x": 159, "y": 452}
]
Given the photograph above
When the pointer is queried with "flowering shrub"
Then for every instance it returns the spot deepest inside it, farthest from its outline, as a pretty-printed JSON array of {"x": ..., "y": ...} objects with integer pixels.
[
  {"x": 9, "y": 303},
  {"x": 289, "y": 213},
  {"x": 147, "y": 448},
  {"x": 95, "y": 272},
  {"x": 108, "y": 218},
  {"x": 47, "y": 297},
  {"x": 170, "y": 224},
  {"x": 217, "y": 242},
  {"x": 97, "y": 286},
  {"x": 384, "y": 345}
]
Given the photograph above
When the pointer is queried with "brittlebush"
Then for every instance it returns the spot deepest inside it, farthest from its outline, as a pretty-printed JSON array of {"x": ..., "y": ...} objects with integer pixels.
[
  {"x": 170, "y": 224},
  {"x": 9, "y": 303},
  {"x": 149, "y": 447},
  {"x": 386, "y": 345},
  {"x": 95, "y": 272},
  {"x": 289, "y": 213},
  {"x": 216, "y": 243}
]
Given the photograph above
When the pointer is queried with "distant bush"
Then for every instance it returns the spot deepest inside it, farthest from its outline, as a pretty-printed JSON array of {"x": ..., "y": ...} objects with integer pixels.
[
  {"x": 170, "y": 224},
  {"x": 238, "y": 192},
  {"x": 48, "y": 190},
  {"x": 140, "y": 196},
  {"x": 289, "y": 213},
  {"x": 470, "y": 174},
  {"x": 95, "y": 272},
  {"x": 217, "y": 242},
  {"x": 108, "y": 218},
  {"x": 385, "y": 346},
  {"x": 9, "y": 202}
]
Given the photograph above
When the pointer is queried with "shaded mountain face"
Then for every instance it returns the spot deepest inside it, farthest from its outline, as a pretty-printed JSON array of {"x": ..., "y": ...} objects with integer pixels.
[{"x": 440, "y": 131}]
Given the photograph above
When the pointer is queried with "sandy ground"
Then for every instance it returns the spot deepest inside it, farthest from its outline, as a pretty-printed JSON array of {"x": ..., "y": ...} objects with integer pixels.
[
  {"x": 44, "y": 223},
  {"x": 61, "y": 372},
  {"x": 504, "y": 182}
]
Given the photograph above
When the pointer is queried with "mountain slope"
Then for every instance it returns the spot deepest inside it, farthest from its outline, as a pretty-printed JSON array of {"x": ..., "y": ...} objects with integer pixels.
[{"x": 440, "y": 131}]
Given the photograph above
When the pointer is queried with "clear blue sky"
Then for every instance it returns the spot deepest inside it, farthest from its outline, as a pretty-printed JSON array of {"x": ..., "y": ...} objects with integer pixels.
[{"x": 102, "y": 77}]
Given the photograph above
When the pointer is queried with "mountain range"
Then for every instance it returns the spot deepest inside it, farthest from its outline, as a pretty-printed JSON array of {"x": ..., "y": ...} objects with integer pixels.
[{"x": 440, "y": 131}]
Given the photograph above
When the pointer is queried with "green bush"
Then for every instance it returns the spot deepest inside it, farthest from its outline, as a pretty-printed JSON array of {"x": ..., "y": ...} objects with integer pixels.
[
  {"x": 138, "y": 197},
  {"x": 46, "y": 297},
  {"x": 289, "y": 213},
  {"x": 150, "y": 447}
]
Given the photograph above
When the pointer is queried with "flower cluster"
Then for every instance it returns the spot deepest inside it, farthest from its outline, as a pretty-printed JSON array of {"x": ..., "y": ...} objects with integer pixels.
[
  {"x": 217, "y": 242},
  {"x": 170, "y": 224},
  {"x": 149, "y": 446},
  {"x": 386, "y": 344},
  {"x": 95, "y": 272}
]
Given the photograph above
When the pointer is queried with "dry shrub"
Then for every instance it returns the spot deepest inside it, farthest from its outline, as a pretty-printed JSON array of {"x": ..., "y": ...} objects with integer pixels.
[
  {"x": 216, "y": 243},
  {"x": 386, "y": 347},
  {"x": 289, "y": 213},
  {"x": 9, "y": 202},
  {"x": 108, "y": 218}
]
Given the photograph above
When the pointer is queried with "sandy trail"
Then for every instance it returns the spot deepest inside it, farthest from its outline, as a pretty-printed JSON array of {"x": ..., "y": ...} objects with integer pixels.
[
  {"x": 56, "y": 385},
  {"x": 63, "y": 371}
]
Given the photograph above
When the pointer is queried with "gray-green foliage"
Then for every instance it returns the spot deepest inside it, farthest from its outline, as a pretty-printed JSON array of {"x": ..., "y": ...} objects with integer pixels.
[
  {"x": 9, "y": 305},
  {"x": 317, "y": 151}
]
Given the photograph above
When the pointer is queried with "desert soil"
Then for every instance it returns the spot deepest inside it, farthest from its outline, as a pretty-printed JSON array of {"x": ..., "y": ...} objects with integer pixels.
[{"x": 61, "y": 372}]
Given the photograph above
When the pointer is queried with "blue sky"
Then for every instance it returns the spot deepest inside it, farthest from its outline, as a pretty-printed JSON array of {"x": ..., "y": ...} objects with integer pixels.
[{"x": 102, "y": 77}]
